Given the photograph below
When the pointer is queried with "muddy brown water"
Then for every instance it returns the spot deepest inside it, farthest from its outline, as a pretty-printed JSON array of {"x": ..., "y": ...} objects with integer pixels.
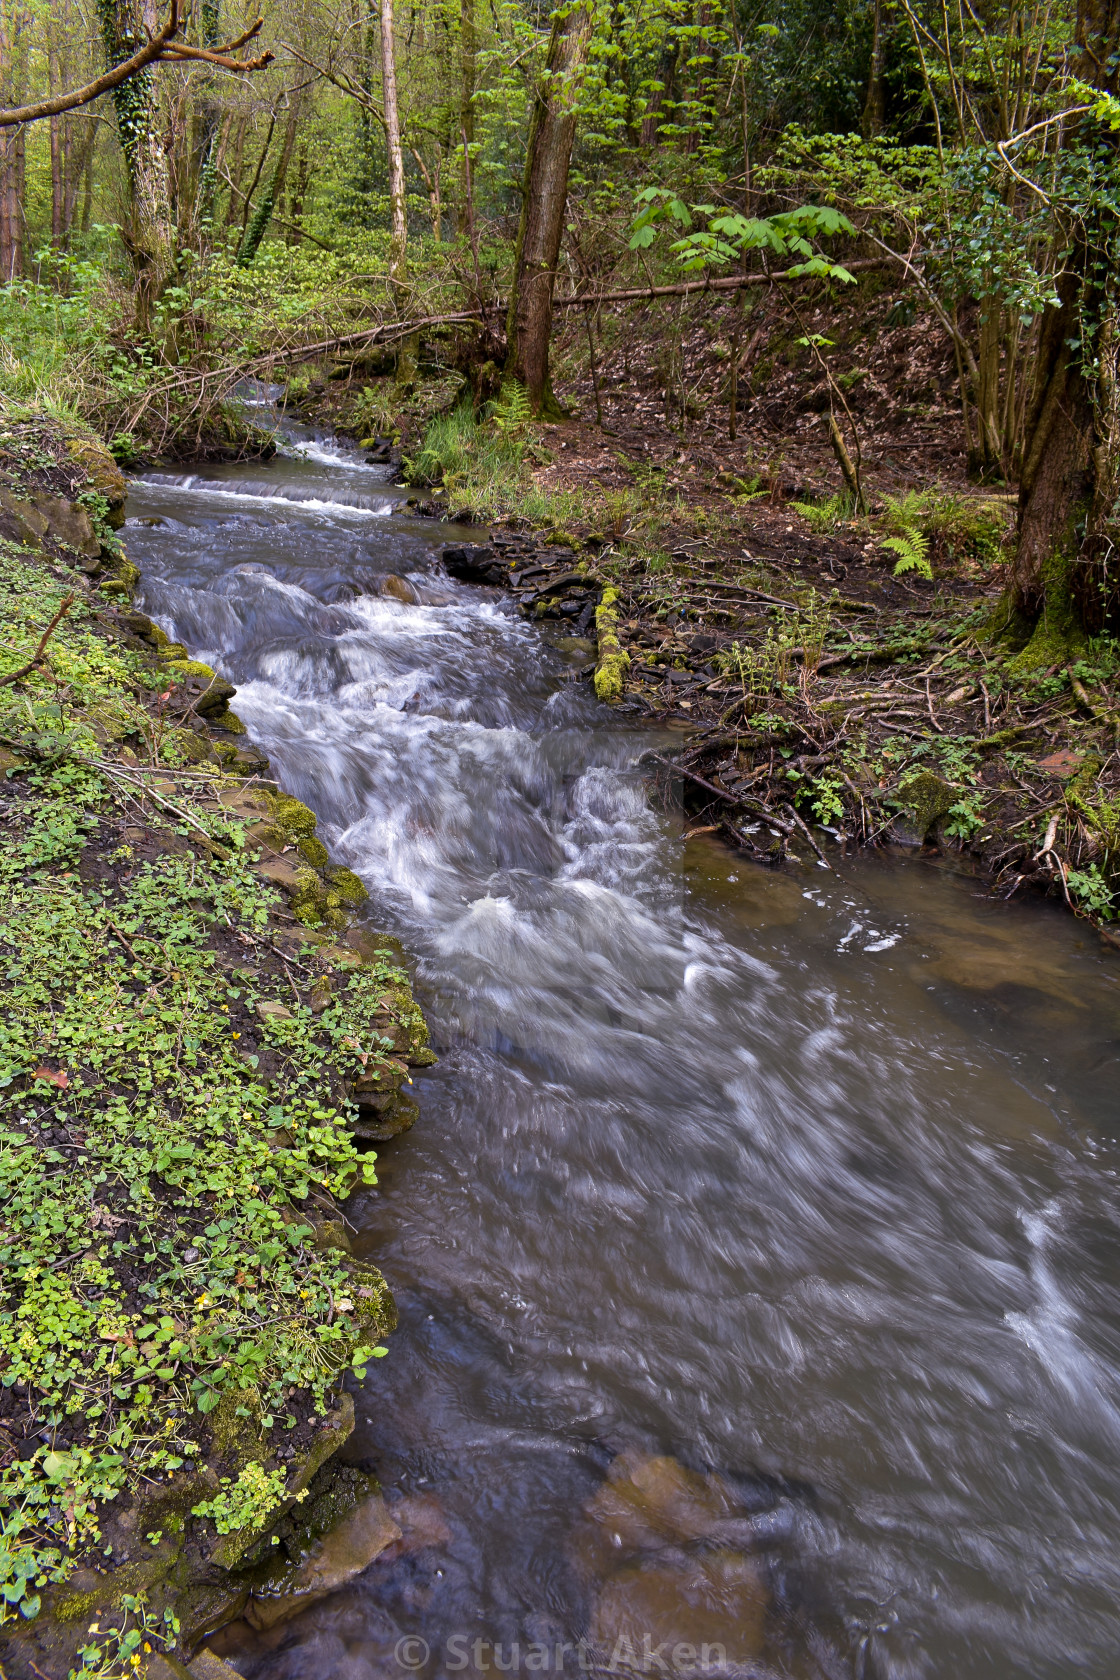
[{"x": 790, "y": 1199}]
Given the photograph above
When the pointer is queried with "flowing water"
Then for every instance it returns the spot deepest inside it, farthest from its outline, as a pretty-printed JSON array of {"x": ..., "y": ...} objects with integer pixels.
[{"x": 807, "y": 1180}]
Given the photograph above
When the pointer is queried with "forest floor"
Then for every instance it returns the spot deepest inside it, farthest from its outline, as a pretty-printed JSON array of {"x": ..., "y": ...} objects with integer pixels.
[{"x": 830, "y": 702}]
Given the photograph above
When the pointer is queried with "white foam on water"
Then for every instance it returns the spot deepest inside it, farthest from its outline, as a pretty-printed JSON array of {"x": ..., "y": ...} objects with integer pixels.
[{"x": 194, "y": 486}]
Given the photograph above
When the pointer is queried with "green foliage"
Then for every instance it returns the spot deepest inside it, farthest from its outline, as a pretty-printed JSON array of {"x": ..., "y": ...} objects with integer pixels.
[
  {"x": 958, "y": 527},
  {"x": 480, "y": 463},
  {"x": 1093, "y": 892},
  {"x": 729, "y": 235},
  {"x": 153, "y": 1259},
  {"x": 912, "y": 548},
  {"x": 247, "y": 1502},
  {"x": 827, "y": 515},
  {"x": 966, "y": 816},
  {"x": 827, "y": 801},
  {"x": 122, "y": 1647}
]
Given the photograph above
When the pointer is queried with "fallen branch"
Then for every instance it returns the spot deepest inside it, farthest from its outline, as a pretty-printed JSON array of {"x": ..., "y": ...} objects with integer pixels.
[{"x": 730, "y": 283}]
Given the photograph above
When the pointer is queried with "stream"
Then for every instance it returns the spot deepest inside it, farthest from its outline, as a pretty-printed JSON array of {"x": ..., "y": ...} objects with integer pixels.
[{"x": 789, "y": 1198}]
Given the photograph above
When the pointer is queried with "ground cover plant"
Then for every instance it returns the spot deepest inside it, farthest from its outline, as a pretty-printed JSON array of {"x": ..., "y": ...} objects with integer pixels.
[{"x": 177, "y": 1058}]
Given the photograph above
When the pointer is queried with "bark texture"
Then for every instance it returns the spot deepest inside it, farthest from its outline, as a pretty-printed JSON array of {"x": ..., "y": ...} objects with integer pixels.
[
  {"x": 399, "y": 246},
  {"x": 468, "y": 71},
  {"x": 1067, "y": 490},
  {"x": 149, "y": 234},
  {"x": 545, "y": 195}
]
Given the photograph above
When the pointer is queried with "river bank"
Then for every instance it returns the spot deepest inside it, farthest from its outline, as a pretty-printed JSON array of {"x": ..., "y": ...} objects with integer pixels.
[
  {"x": 847, "y": 678},
  {"x": 202, "y": 1048}
]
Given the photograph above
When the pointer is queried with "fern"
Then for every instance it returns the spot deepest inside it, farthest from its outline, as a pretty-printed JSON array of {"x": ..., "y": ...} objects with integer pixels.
[
  {"x": 511, "y": 411},
  {"x": 913, "y": 551},
  {"x": 825, "y": 516}
]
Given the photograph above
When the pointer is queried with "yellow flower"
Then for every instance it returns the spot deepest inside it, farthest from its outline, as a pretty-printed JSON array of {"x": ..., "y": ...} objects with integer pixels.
[
  {"x": 204, "y": 1299},
  {"x": 237, "y": 1035},
  {"x": 304, "y": 1293}
]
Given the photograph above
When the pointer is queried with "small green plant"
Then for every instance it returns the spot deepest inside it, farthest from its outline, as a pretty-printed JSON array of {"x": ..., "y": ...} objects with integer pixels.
[
  {"x": 511, "y": 413},
  {"x": 827, "y": 803},
  {"x": 122, "y": 1650},
  {"x": 1092, "y": 892},
  {"x": 248, "y": 1502},
  {"x": 373, "y": 413},
  {"x": 827, "y": 515},
  {"x": 912, "y": 548},
  {"x": 122, "y": 447},
  {"x": 966, "y": 817}
]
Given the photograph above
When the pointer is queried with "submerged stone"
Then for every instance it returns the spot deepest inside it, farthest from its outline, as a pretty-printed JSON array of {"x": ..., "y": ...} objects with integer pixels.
[
  {"x": 700, "y": 1615},
  {"x": 336, "y": 1559}
]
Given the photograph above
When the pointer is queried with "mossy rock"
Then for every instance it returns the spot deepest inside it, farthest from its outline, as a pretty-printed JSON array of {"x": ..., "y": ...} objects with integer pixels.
[
  {"x": 90, "y": 1590},
  {"x": 348, "y": 886},
  {"x": 125, "y": 575},
  {"x": 313, "y": 851},
  {"x": 230, "y": 722},
  {"x": 113, "y": 720},
  {"x": 102, "y": 474},
  {"x": 291, "y": 817},
  {"x": 235, "y": 1424},
  {"x": 927, "y": 798},
  {"x": 217, "y": 692},
  {"x": 375, "y": 1312},
  {"x": 183, "y": 746}
]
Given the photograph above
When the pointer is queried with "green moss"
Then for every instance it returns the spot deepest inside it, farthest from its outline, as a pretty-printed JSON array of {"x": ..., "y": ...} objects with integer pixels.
[
  {"x": 313, "y": 851},
  {"x": 927, "y": 798},
  {"x": 182, "y": 668},
  {"x": 191, "y": 1271},
  {"x": 290, "y": 817},
  {"x": 614, "y": 661},
  {"x": 348, "y": 886},
  {"x": 1057, "y": 637}
]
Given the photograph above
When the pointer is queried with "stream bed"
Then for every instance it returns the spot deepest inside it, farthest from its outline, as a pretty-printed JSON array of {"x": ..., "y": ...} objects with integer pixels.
[{"x": 758, "y": 1245}]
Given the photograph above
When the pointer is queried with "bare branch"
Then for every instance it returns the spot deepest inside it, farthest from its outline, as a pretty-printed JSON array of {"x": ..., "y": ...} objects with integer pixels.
[{"x": 161, "y": 49}]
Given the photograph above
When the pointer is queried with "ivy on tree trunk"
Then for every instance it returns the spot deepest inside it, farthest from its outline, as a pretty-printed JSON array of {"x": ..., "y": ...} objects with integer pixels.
[{"x": 545, "y": 195}]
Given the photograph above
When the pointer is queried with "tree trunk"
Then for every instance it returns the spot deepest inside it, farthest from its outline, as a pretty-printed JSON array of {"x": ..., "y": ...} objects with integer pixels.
[
  {"x": 257, "y": 226},
  {"x": 11, "y": 205},
  {"x": 58, "y": 190},
  {"x": 1061, "y": 579},
  {"x": 651, "y": 121},
  {"x": 149, "y": 235},
  {"x": 209, "y": 129},
  {"x": 13, "y": 58},
  {"x": 545, "y": 195},
  {"x": 468, "y": 70},
  {"x": 398, "y": 248},
  {"x": 1056, "y": 485},
  {"x": 874, "y": 106}
]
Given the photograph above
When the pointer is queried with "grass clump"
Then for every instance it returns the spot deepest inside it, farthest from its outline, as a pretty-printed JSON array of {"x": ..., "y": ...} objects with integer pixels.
[{"x": 480, "y": 463}]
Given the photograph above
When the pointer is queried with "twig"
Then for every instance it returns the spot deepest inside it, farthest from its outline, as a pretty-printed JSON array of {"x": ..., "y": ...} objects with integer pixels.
[
  {"x": 805, "y": 831},
  {"x": 14, "y": 676}
]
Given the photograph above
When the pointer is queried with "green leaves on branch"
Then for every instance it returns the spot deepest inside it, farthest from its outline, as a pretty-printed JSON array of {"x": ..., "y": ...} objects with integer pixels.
[{"x": 729, "y": 235}]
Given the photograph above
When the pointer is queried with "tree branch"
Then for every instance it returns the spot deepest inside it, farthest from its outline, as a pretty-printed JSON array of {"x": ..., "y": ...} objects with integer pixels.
[
  {"x": 36, "y": 657},
  {"x": 160, "y": 49}
]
